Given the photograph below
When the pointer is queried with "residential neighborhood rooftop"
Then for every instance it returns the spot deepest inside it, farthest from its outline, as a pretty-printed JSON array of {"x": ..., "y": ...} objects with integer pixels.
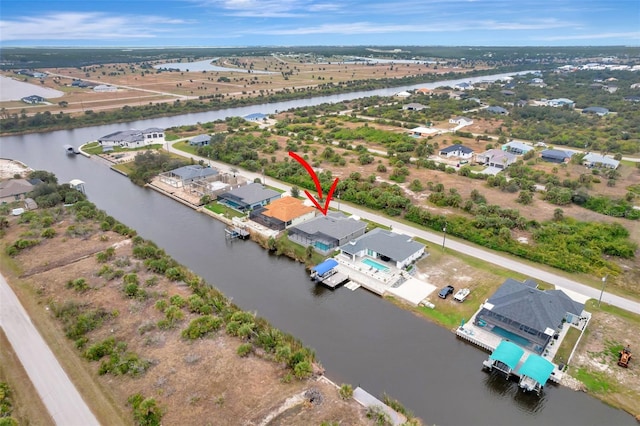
[
  {"x": 334, "y": 224},
  {"x": 387, "y": 243},
  {"x": 252, "y": 193},
  {"x": 287, "y": 209}
]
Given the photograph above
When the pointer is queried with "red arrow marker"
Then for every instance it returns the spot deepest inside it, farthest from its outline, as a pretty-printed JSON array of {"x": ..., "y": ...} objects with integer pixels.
[{"x": 324, "y": 209}]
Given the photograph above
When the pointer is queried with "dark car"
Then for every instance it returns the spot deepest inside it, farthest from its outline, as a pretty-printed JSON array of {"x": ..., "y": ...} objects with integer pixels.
[{"x": 445, "y": 292}]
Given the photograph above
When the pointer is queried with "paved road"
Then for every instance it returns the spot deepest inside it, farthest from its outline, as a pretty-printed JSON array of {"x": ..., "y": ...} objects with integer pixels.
[
  {"x": 488, "y": 256},
  {"x": 59, "y": 395}
]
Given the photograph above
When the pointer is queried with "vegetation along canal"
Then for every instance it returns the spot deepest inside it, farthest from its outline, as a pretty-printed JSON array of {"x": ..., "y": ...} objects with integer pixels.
[{"x": 359, "y": 338}]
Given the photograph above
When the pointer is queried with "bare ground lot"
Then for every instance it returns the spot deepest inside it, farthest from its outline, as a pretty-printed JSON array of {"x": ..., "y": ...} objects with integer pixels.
[
  {"x": 195, "y": 382},
  {"x": 140, "y": 86}
]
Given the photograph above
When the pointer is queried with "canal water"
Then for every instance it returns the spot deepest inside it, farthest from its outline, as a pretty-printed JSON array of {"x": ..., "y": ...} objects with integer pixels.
[{"x": 359, "y": 338}]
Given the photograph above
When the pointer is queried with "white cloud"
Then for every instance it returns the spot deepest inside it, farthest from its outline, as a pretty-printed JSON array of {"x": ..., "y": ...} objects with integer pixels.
[
  {"x": 84, "y": 26},
  {"x": 428, "y": 27},
  {"x": 594, "y": 36}
]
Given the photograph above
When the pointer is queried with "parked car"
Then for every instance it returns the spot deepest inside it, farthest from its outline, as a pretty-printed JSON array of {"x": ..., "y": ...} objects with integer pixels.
[{"x": 445, "y": 292}]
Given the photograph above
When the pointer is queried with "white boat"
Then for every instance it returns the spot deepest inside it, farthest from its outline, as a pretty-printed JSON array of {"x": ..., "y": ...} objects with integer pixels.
[{"x": 461, "y": 294}]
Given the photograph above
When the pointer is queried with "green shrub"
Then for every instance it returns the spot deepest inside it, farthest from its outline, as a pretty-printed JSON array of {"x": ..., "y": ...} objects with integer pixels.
[
  {"x": 146, "y": 411},
  {"x": 100, "y": 349},
  {"x": 303, "y": 369},
  {"x": 177, "y": 300},
  {"x": 346, "y": 391},
  {"x": 48, "y": 233},
  {"x": 245, "y": 349},
  {"x": 200, "y": 327},
  {"x": 79, "y": 284}
]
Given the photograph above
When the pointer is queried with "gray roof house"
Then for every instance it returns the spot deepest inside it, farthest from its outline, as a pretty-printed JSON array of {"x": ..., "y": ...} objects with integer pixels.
[
  {"x": 183, "y": 175},
  {"x": 33, "y": 99},
  {"x": 133, "y": 138},
  {"x": 527, "y": 316},
  {"x": 518, "y": 148},
  {"x": 596, "y": 110},
  {"x": 457, "y": 150},
  {"x": 326, "y": 233},
  {"x": 248, "y": 197},
  {"x": 497, "y": 110},
  {"x": 597, "y": 160},
  {"x": 200, "y": 140},
  {"x": 556, "y": 155},
  {"x": 496, "y": 158},
  {"x": 386, "y": 246},
  {"x": 14, "y": 190}
]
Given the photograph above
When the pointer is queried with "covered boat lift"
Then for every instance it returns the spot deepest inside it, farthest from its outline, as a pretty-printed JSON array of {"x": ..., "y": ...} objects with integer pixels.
[
  {"x": 505, "y": 358},
  {"x": 534, "y": 373}
]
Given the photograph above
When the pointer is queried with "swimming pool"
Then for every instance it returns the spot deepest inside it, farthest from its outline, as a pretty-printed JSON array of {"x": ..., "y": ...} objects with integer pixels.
[
  {"x": 321, "y": 246},
  {"x": 519, "y": 340},
  {"x": 376, "y": 265}
]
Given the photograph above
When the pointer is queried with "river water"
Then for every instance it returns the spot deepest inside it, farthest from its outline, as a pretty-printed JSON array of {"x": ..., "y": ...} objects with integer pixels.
[{"x": 359, "y": 338}]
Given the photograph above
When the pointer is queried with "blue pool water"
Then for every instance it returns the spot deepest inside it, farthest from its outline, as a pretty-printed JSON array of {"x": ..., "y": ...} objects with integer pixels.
[
  {"x": 375, "y": 264},
  {"x": 321, "y": 246},
  {"x": 511, "y": 336}
]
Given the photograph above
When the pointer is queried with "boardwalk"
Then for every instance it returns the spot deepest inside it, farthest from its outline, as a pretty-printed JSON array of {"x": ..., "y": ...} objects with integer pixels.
[{"x": 58, "y": 394}]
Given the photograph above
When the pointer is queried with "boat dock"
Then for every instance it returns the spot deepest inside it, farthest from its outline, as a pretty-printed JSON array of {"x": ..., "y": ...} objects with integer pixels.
[
  {"x": 235, "y": 232},
  {"x": 334, "y": 280}
]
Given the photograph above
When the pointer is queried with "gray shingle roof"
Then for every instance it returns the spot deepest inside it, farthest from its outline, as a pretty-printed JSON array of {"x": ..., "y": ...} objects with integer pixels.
[
  {"x": 496, "y": 110},
  {"x": 395, "y": 246},
  {"x": 532, "y": 307},
  {"x": 457, "y": 147},
  {"x": 193, "y": 171},
  {"x": 556, "y": 153},
  {"x": 200, "y": 139},
  {"x": 251, "y": 194},
  {"x": 334, "y": 224},
  {"x": 12, "y": 187}
]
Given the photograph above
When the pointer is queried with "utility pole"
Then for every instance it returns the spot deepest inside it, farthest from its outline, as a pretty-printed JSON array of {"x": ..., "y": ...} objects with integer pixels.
[
  {"x": 604, "y": 283},
  {"x": 444, "y": 236}
]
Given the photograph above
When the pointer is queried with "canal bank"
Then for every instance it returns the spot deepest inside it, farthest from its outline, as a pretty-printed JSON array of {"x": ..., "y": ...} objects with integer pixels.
[{"x": 359, "y": 338}]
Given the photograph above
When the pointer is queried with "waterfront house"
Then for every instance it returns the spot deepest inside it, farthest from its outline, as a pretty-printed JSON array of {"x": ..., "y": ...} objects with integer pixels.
[
  {"x": 556, "y": 155},
  {"x": 458, "y": 151},
  {"x": 398, "y": 249},
  {"x": 200, "y": 140},
  {"x": 518, "y": 148},
  {"x": 527, "y": 316},
  {"x": 403, "y": 94},
  {"x": 326, "y": 233},
  {"x": 282, "y": 213},
  {"x": 463, "y": 86},
  {"x": 182, "y": 176},
  {"x": 133, "y": 138},
  {"x": 255, "y": 117},
  {"x": 248, "y": 197},
  {"x": 497, "y": 110},
  {"x": 496, "y": 158},
  {"x": 14, "y": 190},
  {"x": 599, "y": 161}
]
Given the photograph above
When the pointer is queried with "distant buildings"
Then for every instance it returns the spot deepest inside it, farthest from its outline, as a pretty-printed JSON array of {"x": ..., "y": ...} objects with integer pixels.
[
  {"x": 599, "y": 161},
  {"x": 457, "y": 150},
  {"x": 200, "y": 140},
  {"x": 561, "y": 102},
  {"x": 518, "y": 148},
  {"x": 105, "y": 88},
  {"x": 496, "y": 158},
  {"x": 248, "y": 197},
  {"x": 596, "y": 110},
  {"x": 556, "y": 155},
  {"x": 461, "y": 121},
  {"x": 497, "y": 110}
]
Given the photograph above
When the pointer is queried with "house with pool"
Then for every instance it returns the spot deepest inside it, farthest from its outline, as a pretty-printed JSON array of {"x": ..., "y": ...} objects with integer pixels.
[
  {"x": 326, "y": 233},
  {"x": 527, "y": 316},
  {"x": 379, "y": 249}
]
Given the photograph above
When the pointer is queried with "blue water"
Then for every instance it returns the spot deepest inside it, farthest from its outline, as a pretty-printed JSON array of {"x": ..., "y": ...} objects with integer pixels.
[
  {"x": 375, "y": 264},
  {"x": 518, "y": 340},
  {"x": 321, "y": 246}
]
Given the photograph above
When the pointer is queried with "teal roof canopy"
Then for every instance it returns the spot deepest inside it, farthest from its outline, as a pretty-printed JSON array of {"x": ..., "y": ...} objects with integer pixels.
[
  {"x": 538, "y": 368},
  {"x": 508, "y": 353}
]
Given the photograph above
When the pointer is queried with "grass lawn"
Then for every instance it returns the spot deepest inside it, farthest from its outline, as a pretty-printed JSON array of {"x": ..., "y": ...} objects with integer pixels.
[
  {"x": 185, "y": 147},
  {"x": 125, "y": 168},
  {"x": 567, "y": 345},
  {"x": 94, "y": 148},
  {"x": 224, "y": 210}
]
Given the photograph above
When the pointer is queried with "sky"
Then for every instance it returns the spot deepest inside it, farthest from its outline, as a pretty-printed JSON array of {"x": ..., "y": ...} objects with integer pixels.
[{"x": 221, "y": 23}]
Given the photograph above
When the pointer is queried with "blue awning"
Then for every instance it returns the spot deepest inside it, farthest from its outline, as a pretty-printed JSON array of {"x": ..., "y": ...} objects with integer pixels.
[
  {"x": 538, "y": 368},
  {"x": 508, "y": 353},
  {"x": 325, "y": 266}
]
